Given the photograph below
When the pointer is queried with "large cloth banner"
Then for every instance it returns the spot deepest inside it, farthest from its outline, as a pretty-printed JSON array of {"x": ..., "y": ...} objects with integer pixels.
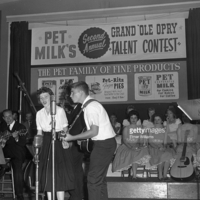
[{"x": 141, "y": 40}]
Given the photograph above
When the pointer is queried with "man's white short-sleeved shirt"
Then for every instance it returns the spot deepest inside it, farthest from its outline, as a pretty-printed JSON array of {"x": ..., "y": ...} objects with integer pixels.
[{"x": 95, "y": 114}]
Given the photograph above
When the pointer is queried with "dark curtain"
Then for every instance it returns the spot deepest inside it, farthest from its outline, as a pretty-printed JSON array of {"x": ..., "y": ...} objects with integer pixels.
[
  {"x": 20, "y": 51},
  {"x": 193, "y": 53}
]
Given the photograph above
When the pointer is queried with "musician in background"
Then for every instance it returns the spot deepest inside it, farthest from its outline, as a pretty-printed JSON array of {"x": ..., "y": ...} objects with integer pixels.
[
  {"x": 77, "y": 193},
  {"x": 16, "y": 115},
  {"x": 30, "y": 125},
  {"x": 72, "y": 110},
  {"x": 100, "y": 130},
  {"x": 15, "y": 149}
]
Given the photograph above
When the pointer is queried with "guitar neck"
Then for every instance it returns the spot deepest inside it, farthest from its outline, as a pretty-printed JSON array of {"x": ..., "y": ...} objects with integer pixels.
[
  {"x": 185, "y": 145},
  {"x": 8, "y": 134}
]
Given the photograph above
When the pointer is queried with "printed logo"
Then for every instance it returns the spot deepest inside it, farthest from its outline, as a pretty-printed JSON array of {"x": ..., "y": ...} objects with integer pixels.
[{"x": 94, "y": 43}]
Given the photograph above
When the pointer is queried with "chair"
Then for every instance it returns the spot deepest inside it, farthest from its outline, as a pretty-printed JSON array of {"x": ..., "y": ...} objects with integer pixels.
[
  {"x": 7, "y": 179},
  {"x": 153, "y": 172},
  {"x": 126, "y": 173},
  {"x": 141, "y": 172}
]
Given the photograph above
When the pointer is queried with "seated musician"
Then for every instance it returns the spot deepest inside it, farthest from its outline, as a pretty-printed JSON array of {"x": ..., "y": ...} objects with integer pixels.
[{"x": 14, "y": 137}]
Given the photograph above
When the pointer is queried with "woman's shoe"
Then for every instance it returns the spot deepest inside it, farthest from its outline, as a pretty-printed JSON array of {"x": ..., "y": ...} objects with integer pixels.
[{"x": 134, "y": 178}]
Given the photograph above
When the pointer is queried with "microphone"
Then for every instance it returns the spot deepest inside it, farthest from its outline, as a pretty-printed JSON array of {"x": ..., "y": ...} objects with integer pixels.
[
  {"x": 53, "y": 105},
  {"x": 37, "y": 143},
  {"x": 38, "y": 140}
]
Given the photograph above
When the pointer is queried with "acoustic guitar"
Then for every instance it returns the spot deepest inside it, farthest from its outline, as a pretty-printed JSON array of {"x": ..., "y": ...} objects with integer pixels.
[
  {"x": 86, "y": 146},
  {"x": 4, "y": 136},
  {"x": 182, "y": 169}
]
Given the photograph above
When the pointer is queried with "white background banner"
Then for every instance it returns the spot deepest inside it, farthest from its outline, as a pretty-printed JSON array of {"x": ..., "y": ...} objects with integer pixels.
[{"x": 141, "y": 40}]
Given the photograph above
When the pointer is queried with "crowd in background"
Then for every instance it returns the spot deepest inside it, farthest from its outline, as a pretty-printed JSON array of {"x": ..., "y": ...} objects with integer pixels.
[{"x": 156, "y": 141}]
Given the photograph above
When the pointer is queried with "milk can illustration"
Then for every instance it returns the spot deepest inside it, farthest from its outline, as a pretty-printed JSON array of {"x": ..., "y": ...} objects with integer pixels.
[{"x": 145, "y": 85}]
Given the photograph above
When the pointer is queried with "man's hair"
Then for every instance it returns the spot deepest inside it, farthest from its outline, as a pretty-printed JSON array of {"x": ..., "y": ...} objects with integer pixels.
[
  {"x": 44, "y": 90},
  {"x": 81, "y": 85},
  {"x": 7, "y": 110}
]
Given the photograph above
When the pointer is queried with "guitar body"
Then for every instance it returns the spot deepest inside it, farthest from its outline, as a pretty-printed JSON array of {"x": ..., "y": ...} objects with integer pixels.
[
  {"x": 182, "y": 169},
  {"x": 86, "y": 146},
  {"x": 6, "y": 135}
]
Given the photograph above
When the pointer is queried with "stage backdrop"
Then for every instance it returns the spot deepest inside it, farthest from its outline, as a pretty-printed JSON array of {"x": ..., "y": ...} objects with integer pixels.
[
  {"x": 141, "y": 40},
  {"x": 119, "y": 83}
]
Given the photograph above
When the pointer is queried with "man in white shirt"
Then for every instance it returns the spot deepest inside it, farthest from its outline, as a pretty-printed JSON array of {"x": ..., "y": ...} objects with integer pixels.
[{"x": 100, "y": 130}]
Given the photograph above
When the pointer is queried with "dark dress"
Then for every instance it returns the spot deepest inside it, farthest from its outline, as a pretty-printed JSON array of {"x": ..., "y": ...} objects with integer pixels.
[{"x": 64, "y": 176}]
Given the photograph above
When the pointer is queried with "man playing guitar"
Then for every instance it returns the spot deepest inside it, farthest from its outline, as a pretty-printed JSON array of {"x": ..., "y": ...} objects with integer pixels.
[
  {"x": 100, "y": 130},
  {"x": 14, "y": 148}
]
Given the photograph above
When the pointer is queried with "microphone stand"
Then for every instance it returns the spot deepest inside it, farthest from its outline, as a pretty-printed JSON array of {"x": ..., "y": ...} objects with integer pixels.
[
  {"x": 53, "y": 125},
  {"x": 36, "y": 161},
  {"x": 23, "y": 89},
  {"x": 37, "y": 143}
]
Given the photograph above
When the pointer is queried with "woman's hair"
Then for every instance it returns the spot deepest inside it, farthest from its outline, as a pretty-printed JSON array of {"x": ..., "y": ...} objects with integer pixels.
[
  {"x": 172, "y": 109},
  {"x": 82, "y": 85},
  {"x": 148, "y": 110},
  {"x": 157, "y": 115},
  {"x": 44, "y": 90},
  {"x": 130, "y": 107},
  {"x": 133, "y": 112}
]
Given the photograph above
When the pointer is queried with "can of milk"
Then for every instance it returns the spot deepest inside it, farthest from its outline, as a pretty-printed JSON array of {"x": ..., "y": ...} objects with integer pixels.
[{"x": 145, "y": 85}]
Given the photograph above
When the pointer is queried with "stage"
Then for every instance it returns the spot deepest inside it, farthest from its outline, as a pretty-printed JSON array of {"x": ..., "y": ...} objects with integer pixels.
[
  {"x": 120, "y": 188},
  {"x": 151, "y": 188}
]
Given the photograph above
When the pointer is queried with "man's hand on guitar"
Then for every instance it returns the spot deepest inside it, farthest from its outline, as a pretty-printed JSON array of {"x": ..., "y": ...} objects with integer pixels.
[
  {"x": 68, "y": 137},
  {"x": 62, "y": 135},
  {"x": 16, "y": 136}
]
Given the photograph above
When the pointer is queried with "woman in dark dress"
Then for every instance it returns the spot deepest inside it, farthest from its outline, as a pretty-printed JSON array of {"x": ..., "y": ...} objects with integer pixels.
[{"x": 64, "y": 177}]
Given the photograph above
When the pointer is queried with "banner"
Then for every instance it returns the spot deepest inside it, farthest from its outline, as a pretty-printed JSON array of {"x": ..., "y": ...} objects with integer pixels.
[
  {"x": 141, "y": 40},
  {"x": 121, "y": 83}
]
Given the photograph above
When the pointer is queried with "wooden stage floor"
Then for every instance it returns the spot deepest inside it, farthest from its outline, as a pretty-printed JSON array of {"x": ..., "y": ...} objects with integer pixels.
[{"x": 120, "y": 188}]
